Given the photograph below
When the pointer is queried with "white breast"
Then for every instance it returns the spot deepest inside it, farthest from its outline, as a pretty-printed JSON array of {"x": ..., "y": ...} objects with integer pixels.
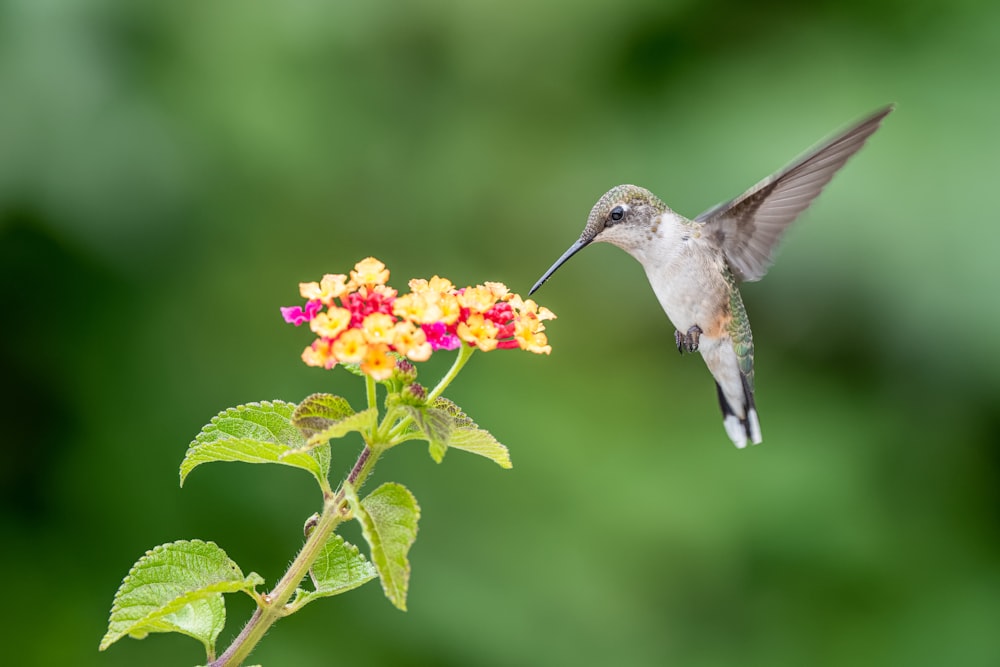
[{"x": 686, "y": 274}]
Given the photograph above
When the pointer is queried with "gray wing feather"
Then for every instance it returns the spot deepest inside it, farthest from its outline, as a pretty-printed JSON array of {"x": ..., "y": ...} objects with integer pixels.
[{"x": 749, "y": 227}]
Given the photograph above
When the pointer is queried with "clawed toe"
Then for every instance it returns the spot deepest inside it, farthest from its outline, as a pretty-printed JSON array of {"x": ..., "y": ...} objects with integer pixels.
[{"x": 688, "y": 342}]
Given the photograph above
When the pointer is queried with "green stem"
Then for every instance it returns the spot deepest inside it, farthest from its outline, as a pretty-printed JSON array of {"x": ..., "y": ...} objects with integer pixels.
[
  {"x": 372, "y": 400},
  {"x": 370, "y": 389},
  {"x": 464, "y": 353},
  {"x": 273, "y": 607}
]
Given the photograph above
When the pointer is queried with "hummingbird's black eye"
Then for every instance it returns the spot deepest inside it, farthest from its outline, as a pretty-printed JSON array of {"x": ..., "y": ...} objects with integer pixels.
[{"x": 617, "y": 213}]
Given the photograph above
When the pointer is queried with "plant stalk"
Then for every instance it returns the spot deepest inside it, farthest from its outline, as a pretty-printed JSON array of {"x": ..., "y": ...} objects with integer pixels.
[
  {"x": 464, "y": 353},
  {"x": 273, "y": 607}
]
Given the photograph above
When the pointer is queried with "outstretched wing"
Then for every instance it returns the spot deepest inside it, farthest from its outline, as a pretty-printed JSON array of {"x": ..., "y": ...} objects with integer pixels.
[{"x": 748, "y": 228}]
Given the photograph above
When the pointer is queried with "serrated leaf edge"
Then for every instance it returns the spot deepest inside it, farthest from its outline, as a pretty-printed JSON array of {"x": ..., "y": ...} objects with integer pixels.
[
  {"x": 304, "y": 597},
  {"x": 492, "y": 449},
  {"x": 461, "y": 424},
  {"x": 245, "y": 583},
  {"x": 394, "y": 589},
  {"x": 282, "y": 455},
  {"x": 277, "y": 407}
]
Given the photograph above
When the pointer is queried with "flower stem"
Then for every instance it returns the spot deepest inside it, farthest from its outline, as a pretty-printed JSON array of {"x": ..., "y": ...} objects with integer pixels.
[
  {"x": 273, "y": 607},
  {"x": 359, "y": 467},
  {"x": 370, "y": 388},
  {"x": 464, "y": 353},
  {"x": 372, "y": 403}
]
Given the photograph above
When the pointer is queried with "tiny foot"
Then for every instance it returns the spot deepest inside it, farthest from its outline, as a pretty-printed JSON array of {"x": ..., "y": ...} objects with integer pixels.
[{"x": 688, "y": 342}]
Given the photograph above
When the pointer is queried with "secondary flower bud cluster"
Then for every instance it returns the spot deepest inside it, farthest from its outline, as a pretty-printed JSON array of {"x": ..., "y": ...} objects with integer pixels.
[{"x": 360, "y": 319}]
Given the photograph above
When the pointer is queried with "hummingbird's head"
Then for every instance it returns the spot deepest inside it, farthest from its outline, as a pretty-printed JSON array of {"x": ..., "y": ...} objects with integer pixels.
[{"x": 624, "y": 216}]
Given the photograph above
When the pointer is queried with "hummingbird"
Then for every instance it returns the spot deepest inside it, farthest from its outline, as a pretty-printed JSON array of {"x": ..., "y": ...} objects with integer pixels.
[{"x": 695, "y": 266}]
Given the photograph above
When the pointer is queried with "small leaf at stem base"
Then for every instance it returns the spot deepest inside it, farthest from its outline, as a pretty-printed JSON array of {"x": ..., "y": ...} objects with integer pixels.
[{"x": 339, "y": 568}]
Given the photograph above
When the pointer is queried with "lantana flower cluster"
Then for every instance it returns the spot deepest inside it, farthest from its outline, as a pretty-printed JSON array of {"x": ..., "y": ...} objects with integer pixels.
[{"x": 360, "y": 319}]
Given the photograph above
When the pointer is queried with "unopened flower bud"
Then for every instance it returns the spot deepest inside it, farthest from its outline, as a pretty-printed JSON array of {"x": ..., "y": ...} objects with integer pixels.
[{"x": 405, "y": 372}]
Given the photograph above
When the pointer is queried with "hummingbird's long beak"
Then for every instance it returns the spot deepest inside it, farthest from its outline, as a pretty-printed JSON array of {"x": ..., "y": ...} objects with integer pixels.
[{"x": 573, "y": 249}]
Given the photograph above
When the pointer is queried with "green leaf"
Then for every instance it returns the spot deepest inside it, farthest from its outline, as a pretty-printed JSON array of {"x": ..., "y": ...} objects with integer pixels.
[
  {"x": 252, "y": 451},
  {"x": 340, "y": 567},
  {"x": 255, "y": 433},
  {"x": 435, "y": 426},
  {"x": 466, "y": 435},
  {"x": 202, "y": 619},
  {"x": 320, "y": 411},
  {"x": 459, "y": 418},
  {"x": 363, "y": 421},
  {"x": 177, "y": 587},
  {"x": 322, "y": 417},
  {"x": 388, "y": 520},
  {"x": 479, "y": 441}
]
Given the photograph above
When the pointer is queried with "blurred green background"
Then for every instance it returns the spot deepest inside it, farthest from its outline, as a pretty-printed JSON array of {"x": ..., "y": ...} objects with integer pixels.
[{"x": 170, "y": 171}]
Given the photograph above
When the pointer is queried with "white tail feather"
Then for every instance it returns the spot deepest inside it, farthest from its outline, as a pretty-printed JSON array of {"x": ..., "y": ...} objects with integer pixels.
[
  {"x": 753, "y": 425},
  {"x": 735, "y": 430}
]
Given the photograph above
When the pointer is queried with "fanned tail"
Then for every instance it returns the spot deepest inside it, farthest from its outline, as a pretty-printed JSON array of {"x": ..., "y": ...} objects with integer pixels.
[{"x": 740, "y": 430}]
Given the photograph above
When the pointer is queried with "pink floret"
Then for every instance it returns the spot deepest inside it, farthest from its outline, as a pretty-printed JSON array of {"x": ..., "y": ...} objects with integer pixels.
[
  {"x": 439, "y": 337},
  {"x": 296, "y": 315}
]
